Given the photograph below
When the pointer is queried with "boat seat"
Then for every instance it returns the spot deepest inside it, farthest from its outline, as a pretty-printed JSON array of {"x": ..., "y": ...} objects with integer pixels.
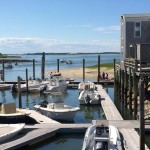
[{"x": 8, "y": 108}]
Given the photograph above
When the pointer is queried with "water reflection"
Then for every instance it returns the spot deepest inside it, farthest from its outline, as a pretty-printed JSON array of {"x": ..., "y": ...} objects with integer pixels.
[{"x": 61, "y": 141}]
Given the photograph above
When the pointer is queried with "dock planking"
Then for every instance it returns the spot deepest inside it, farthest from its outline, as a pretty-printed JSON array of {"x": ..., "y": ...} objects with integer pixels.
[
  {"x": 130, "y": 136},
  {"x": 28, "y": 137},
  {"x": 32, "y": 134},
  {"x": 39, "y": 118}
]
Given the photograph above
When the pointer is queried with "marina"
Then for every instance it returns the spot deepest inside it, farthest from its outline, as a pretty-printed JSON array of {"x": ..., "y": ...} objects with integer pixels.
[
  {"x": 44, "y": 127},
  {"x": 75, "y": 75}
]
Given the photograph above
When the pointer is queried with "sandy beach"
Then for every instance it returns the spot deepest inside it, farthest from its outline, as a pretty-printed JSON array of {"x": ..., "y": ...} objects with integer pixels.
[{"x": 78, "y": 72}]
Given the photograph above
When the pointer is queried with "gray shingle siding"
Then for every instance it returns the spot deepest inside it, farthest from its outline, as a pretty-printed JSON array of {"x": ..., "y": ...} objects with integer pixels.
[{"x": 129, "y": 38}]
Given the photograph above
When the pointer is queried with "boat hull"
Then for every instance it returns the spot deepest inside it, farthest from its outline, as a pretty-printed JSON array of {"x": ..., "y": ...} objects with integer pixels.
[
  {"x": 31, "y": 87},
  {"x": 10, "y": 131},
  {"x": 94, "y": 98},
  {"x": 59, "y": 114},
  {"x": 59, "y": 88},
  {"x": 101, "y": 137}
]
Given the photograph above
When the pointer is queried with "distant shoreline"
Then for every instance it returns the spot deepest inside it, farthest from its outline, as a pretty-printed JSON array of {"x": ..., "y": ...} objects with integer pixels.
[{"x": 71, "y": 53}]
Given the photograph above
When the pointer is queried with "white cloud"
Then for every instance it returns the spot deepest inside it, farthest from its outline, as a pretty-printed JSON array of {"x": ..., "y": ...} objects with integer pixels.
[
  {"x": 82, "y": 25},
  {"x": 108, "y": 29},
  {"x": 31, "y": 45}
]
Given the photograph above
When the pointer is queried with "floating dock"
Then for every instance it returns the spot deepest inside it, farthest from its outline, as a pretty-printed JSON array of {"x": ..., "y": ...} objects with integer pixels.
[{"x": 130, "y": 136}]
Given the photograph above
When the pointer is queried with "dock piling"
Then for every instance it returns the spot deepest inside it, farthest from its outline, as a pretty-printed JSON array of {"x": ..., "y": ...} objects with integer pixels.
[
  {"x": 43, "y": 66},
  {"x": 33, "y": 69},
  {"x": 98, "y": 74},
  {"x": 3, "y": 72},
  {"x": 142, "y": 122},
  {"x": 27, "y": 79},
  {"x": 19, "y": 92},
  {"x": 83, "y": 70},
  {"x": 57, "y": 65}
]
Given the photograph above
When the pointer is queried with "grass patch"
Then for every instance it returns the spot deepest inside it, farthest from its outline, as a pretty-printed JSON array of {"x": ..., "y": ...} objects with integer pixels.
[
  {"x": 106, "y": 65},
  {"x": 8, "y": 56}
]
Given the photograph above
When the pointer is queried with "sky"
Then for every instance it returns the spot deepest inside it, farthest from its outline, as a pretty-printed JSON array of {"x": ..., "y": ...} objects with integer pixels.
[{"x": 31, "y": 26}]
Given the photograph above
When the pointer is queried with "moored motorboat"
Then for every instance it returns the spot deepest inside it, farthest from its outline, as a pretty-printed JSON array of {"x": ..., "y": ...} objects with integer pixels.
[
  {"x": 89, "y": 98},
  {"x": 33, "y": 85},
  {"x": 68, "y": 61},
  {"x": 7, "y": 131},
  {"x": 56, "y": 84},
  {"x": 88, "y": 94},
  {"x": 102, "y": 138},
  {"x": 8, "y": 66},
  {"x": 58, "y": 111},
  {"x": 86, "y": 85},
  {"x": 9, "y": 110}
]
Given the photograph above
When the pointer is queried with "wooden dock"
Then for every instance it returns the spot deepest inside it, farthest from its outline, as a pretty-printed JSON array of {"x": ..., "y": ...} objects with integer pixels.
[
  {"x": 130, "y": 136},
  {"x": 32, "y": 134},
  {"x": 47, "y": 128}
]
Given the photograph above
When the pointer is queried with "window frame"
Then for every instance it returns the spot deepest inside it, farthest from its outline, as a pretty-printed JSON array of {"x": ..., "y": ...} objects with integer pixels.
[{"x": 137, "y": 29}]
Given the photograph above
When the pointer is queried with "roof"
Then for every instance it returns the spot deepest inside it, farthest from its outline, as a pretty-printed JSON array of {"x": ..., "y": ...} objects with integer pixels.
[{"x": 142, "y": 17}]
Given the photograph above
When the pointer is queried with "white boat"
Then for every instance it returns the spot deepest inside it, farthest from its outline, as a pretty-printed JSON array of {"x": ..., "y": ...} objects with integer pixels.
[
  {"x": 89, "y": 98},
  {"x": 68, "y": 61},
  {"x": 58, "y": 111},
  {"x": 33, "y": 85},
  {"x": 8, "y": 66},
  {"x": 9, "y": 110},
  {"x": 7, "y": 131},
  {"x": 56, "y": 84},
  {"x": 62, "y": 61},
  {"x": 86, "y": 85},
  {"x": 102, "y": 138},
  {"x": 69, "y": 80},
  {"x": 88, "y": 95},
  {"x": 37, "y": 89}
]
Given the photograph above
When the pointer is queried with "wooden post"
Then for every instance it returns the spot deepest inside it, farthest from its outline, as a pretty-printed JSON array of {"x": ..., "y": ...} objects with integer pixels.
[
  {"x": 122, "y": 85},
  {"x": 130, "y": 91},
  {"x": 135, "y": 92},
  {"x": 117, "y": 88},
  {"x": 57, "y": 65},
  {"x": 3, "y": 72},
  {"x": 43, "y": 67},
  {"x": 114, "y": 70},
  {"x": 33, "y": 69},
  {"x": 126, "y": 84},
  {"x": 83, "y": 70},
  {"x": 27, "y": 79},
  {"x": 142, "y": 122},
  {"x": 98, "y": 73},
  {"x": 19, "y": 91}
]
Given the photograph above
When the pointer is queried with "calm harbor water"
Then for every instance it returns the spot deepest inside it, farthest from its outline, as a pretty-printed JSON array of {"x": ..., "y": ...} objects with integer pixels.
[
  {"x": 86, "y": 113},
  {"x": 51, "y": 64}
]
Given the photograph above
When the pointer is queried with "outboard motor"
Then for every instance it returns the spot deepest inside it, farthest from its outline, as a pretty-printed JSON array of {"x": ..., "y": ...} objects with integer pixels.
[
  {"x": 1, "y": 103},
  {"x": 87, "y": 99},
  {"x": 44, "y": 88},
  {"x": 14, "y": 88},
  {"x": 43, "y": 103}
]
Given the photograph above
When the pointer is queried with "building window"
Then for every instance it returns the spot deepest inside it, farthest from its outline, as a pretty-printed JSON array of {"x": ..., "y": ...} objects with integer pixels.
[{"x": 137, "y": 29}]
